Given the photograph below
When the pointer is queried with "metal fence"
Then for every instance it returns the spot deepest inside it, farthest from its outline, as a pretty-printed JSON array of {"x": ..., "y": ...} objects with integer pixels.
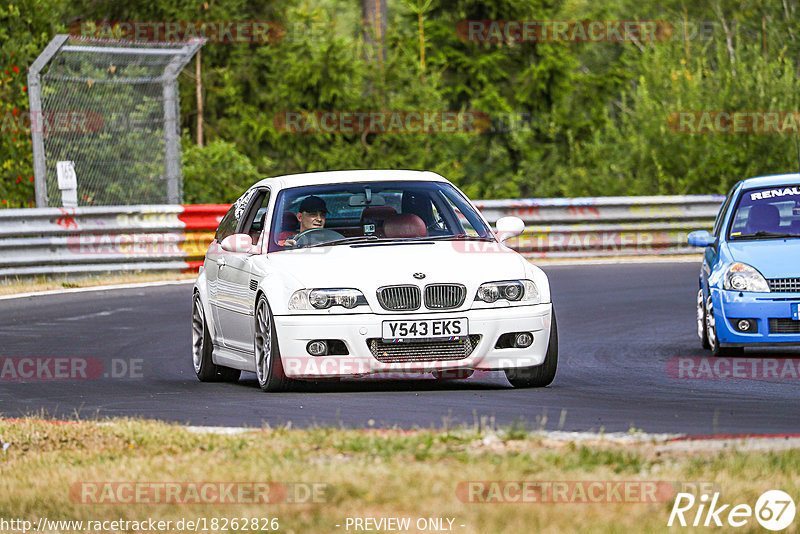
[
  {"x": 605, "y": 226},
  {"x": 86, "y": 240},
  {"x": 112, "y": 108}
]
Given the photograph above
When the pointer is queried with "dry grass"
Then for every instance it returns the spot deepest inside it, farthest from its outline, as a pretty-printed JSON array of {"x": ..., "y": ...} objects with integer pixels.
[
  {"x": 11, "y": 286},
  {"x": 369, "y": 474}
]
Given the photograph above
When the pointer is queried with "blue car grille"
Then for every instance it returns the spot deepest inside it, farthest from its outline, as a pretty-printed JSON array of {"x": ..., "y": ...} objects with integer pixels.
[
  {"x": 784, "y": 285},
  {"x": 784, "y": 326}
]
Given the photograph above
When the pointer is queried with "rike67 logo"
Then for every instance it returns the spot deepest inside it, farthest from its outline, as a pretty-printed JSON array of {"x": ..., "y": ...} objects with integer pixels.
[{"x": 774, "y": 510}]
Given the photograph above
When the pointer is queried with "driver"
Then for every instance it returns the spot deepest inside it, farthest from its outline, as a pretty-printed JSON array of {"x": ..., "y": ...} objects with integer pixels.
[{"x": 311, "y": 215}]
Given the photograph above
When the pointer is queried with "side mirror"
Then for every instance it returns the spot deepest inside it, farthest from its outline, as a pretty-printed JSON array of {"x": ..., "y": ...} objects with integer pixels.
[
  {"x": 239, "y": 244},
  {"x": 701, "y": 238},
  {"x": 508, "y": 227}
]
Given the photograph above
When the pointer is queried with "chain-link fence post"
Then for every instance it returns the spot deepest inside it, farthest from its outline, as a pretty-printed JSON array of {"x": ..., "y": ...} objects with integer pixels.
[
  {"x": 37, "y": 133},
  {"x": 172, "y": 137},
  {"x": 112, "y": 108}
]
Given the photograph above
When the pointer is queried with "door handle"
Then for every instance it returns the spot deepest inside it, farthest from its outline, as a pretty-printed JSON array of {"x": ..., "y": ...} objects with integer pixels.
[{"x": 221, "y": 263}]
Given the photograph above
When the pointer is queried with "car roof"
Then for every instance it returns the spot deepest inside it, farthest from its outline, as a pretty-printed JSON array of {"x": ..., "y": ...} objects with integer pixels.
[
  {"x": 340, "y": 177},
  {"x": 770, "y": 181}
]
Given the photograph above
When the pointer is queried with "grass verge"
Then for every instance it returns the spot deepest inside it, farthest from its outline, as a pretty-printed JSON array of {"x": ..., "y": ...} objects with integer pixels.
[
  {"x": 45, "y": 470},
  {"x": 12, "y": 286}
]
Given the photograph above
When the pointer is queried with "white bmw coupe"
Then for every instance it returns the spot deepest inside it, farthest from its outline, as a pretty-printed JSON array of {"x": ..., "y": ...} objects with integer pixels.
[{"x": 352, "y": 273}]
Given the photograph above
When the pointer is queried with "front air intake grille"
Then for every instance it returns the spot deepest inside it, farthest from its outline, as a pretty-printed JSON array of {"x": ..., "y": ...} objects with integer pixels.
[
  {"x": 784, "y": 285},
  {"x": 784, "y": 326},
  {"x": 444, "y": 296},
  {"x": 424, "y": 351},
  {"x": 399, "y": 298}
]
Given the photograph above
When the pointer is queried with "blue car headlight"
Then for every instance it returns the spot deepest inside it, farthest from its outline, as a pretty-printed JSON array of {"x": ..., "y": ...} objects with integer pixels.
[{"x": 743, "y": 277}]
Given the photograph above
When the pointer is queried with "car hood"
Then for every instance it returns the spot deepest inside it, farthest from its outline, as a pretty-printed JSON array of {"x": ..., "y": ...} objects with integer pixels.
[
  {"x": 774, "y": 258},
  {"x": 369, "y": 267}
]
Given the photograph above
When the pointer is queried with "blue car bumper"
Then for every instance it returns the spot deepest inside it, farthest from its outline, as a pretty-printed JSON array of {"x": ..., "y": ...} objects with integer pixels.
[{"x": 731, "y": 306}]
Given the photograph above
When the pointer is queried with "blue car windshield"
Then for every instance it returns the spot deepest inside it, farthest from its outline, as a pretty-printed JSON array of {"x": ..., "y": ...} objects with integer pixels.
[
  {"x": 363, "y": 212},
  {"x": 767, "y": 213}
]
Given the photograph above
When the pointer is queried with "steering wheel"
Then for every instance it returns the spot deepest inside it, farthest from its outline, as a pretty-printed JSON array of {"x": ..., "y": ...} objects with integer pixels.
[{"x": 315, "y": 236}]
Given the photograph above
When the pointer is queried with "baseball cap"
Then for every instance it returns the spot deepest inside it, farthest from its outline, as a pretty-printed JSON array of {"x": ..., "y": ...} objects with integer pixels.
[{"x": 311, "y": 204}]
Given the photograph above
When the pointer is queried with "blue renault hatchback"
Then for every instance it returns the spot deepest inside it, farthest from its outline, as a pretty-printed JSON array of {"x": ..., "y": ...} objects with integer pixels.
[{"x": 749, "y": 291}]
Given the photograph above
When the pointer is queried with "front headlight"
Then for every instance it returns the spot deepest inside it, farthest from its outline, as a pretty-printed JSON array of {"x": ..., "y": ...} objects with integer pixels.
[
  {"x": 510, "y": 290},
  {"x": 742, "y": 277},
  {"x": 321, "y": 299}
]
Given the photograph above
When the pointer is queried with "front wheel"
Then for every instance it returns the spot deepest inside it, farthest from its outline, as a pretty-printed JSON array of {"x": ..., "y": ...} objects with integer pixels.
[
  {"x": 537, "y": 376},
  {"x": 711, "y": 333},
  {"x": 204, "y": 367},
  {"x": 701, "y": 320},
  {"x": 269, "y": 368}
]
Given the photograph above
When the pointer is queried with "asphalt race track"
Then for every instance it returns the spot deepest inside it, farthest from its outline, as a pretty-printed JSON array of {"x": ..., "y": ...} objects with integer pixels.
[{"x": 619, "y": 325}]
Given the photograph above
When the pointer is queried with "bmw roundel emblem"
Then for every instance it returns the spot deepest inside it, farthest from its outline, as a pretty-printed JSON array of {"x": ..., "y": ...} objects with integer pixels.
[{"x": 419, "y": 276}]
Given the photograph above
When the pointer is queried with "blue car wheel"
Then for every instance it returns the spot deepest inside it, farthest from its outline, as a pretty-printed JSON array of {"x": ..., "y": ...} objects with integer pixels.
[
  {"x": 711, "y": 333},
  {"x": 701, "y": 320}
]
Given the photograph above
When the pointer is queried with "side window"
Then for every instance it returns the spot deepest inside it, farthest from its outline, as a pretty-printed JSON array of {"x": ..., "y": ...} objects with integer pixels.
[
  {"x": 721, "y": 214},
  {"x": 438, "y": 222},
  {"x": 458, "y": 215},
  {"x": 227, "y": 225},
  {"x": 230, "y": 221},
  {"x": 465, "y": 226},
  {"x": 257, "y": 216}
]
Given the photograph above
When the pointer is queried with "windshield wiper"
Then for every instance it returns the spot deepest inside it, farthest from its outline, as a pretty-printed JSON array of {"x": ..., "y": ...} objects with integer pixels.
[
  {"x": 764, "y": 233},
  {"x": 456, "y": 237},
  {"x": 356, "y": 239},
  {"x": 373, "y": 238}
]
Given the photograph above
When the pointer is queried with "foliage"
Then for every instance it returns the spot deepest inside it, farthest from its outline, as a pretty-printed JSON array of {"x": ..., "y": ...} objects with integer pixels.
[
  {"x": 217, "y": 171},
  {"x": 25, "y": 29}
]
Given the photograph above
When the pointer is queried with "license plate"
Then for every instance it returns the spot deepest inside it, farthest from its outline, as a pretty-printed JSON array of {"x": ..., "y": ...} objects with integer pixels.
[
  {"x": 796, "y": 311},
  {"x": 425, "y": 330}
]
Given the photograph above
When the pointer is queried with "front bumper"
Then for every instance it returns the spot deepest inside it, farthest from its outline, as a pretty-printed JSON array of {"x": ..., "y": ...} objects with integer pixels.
[
  {"x": 762, "y": 307},
  {"x": 295, "y": 331}
]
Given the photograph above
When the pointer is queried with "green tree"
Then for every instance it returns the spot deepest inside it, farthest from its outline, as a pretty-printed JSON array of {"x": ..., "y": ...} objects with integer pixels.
[{"x": 26, "y": 26}]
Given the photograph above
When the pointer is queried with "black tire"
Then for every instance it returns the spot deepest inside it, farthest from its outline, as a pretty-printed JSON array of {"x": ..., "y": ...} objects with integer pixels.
[
  {"x": 537, "y": 376},
  {"x": 713, "y": 340},
  {"x": 269, "y": 367},
  {"x": 452, "y": 374},
  {"x": 204, "y": 366},
  {"x": 701, "y": 320}
]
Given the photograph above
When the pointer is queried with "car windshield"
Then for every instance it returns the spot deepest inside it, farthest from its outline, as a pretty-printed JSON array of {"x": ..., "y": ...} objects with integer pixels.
[
  {"x": 767, "y": 213},
  {"x": 368, "y": 212}
]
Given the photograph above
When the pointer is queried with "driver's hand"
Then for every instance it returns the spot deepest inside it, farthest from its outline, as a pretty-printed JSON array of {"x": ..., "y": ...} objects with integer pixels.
[{"x": 290, "y": 242}]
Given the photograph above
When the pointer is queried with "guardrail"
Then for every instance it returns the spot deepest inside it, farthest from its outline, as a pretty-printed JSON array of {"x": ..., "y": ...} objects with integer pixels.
[
  {"x": 606, "y": 226},
  {"x": 174, "y": 238}
]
